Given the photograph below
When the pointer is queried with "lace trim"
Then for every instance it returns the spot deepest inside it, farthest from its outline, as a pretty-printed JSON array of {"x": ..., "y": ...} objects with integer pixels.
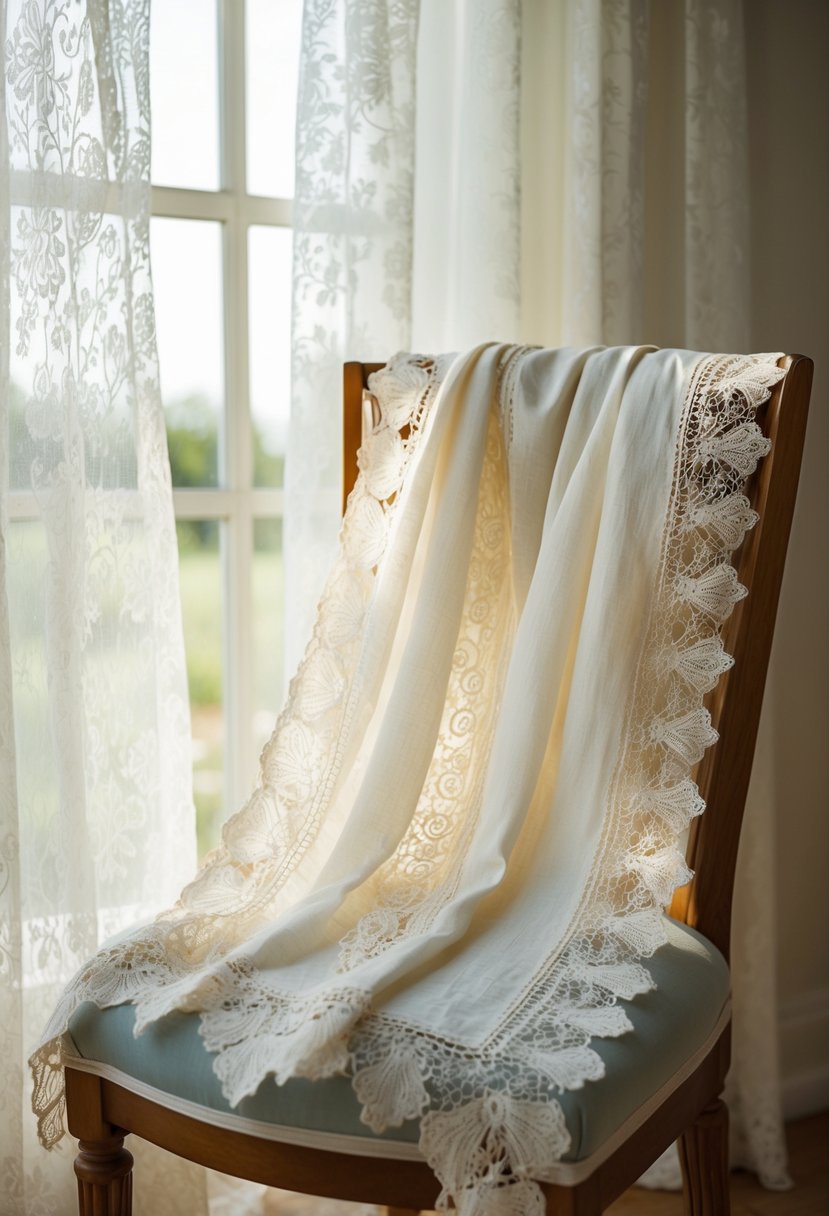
[
  {"x": 257, "y": 1030},
  {"x": 421, "y": 875},
  {"x": 493, "y": 1125},
  {"x": 301, "y": 762}
]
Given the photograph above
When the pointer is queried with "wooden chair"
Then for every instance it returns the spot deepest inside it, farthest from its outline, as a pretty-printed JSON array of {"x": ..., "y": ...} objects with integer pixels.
[{"x": 102, "y": 1112}]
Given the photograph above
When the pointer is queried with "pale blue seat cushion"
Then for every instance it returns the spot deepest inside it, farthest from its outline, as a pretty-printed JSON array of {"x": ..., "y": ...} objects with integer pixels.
[{"x": 670, "y": 1024}]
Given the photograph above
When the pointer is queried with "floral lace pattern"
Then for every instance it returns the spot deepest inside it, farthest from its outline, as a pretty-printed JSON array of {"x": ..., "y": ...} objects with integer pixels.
[
  {"x": 416, "y": 881},
  {"x": 491, "y": 1124},
  {"x": 352, "y": 253},
  {"x": 300, "y": 763},
  {"x": 96, "y": 815}
]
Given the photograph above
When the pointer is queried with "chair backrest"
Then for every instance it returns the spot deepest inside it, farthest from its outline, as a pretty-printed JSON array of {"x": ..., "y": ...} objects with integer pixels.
[{"x": 735, "y": 704}]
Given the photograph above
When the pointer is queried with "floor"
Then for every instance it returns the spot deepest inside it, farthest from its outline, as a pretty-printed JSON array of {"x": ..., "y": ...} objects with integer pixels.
[{"x": 809, "y": 1164}]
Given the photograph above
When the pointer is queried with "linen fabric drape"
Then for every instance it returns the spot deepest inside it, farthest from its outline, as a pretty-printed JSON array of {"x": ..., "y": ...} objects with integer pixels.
[
  {"x": 623, "y": 219},
  {"x": 96, "y": 820},
  {"x": 468, "y": 816}
]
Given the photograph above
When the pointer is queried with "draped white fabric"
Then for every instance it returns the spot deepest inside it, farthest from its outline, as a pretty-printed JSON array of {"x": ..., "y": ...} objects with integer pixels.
[
  {"x": 630, "y": 198},
  {"x": 455, "y": 863},
  {"x": 96, "y": 819}
]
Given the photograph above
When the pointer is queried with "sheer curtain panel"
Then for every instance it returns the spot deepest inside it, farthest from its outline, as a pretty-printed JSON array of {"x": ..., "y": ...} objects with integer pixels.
[
  {"x": 352, "y": 261},
  {"x": 96, "y": 819},
  {"x": 406, "y": 222}
]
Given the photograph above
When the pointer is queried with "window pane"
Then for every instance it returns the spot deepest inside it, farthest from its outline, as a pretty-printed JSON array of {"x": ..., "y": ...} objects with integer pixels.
[
  {"x": 273, "y": 32},
  {"x": 184, "y": 81},
  {"x": 187, "y": 278},
  {"x": 267, "y": 598},
  {"x": 200, "y": 573},
  {"x": 270, "y": 349}
]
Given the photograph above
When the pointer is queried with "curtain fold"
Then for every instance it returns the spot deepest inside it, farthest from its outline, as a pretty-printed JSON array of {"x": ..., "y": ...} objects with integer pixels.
[
  {"x": 97, "y": 827},
  {"x": 466, "y": 272},
  {"x": 352, "y": 256},
  {"x": 604, "y": 171},
  {"x": 716, "y": 177},
  {"x": 406, "y": 223}
]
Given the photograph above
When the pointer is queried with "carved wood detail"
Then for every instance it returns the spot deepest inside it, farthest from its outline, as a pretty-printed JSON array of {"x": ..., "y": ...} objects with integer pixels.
[
  {"x": 703, "y": 1154},
  {"x": 104, "y": 1170}
]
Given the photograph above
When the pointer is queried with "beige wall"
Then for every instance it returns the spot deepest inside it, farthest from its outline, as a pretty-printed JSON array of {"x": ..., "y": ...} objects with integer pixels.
[{"x": 788, "y": 63}]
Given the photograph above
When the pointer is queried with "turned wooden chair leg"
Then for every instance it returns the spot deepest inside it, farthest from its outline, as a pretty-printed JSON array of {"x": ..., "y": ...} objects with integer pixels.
[
  {"x": 104, "y": 1169},
  {"x": 103, "y": 1165},
  {"x": 703, "y": 1154}
]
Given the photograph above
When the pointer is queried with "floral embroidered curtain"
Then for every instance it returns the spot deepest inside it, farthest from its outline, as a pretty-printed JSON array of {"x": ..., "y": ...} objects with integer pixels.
[
  {"x": 406, "y": 222},
  {"x": 385, "y": 257},
  {"x": 96, "y": 820}
]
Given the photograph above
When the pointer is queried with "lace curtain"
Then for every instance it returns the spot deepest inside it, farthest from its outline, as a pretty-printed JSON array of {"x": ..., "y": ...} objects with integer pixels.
[
  {"x": 352, "y": 259},
  {"x": 625, "y": 123},
  {"x": 95, "y": 816},
  {"x": 96, "y": 819},
  {"x": 388, "y": 258}
]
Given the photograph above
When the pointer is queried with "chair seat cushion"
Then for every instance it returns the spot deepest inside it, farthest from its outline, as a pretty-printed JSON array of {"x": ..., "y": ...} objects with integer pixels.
[{"x": 671, "y": 1023}]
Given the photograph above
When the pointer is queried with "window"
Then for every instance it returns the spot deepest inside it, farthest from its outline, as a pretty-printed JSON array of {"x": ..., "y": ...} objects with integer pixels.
[{"x": 223, "y": 79}]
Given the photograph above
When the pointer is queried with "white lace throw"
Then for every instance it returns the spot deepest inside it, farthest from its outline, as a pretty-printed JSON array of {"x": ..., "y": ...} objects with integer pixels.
[{"x": 467, "y": 820}]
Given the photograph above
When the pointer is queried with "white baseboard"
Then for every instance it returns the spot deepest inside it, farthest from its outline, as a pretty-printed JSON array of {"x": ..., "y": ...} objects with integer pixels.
[{"x": 804, "y": 1043}]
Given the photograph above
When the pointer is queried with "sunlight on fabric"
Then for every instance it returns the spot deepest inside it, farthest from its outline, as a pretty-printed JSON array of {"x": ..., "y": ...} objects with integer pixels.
[
  {"x": 273, "y": 35},
  {"x": 187, "y": 276},
  {"x": 185, "y": 94},
  {"x": 202, "y": 607},
  {"x": 269, "y": 279},
  {"x": 267, "y": 593}
]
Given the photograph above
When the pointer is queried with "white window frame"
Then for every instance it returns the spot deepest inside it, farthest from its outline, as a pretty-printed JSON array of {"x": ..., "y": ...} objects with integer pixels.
[{"x": 235, "y": 503}]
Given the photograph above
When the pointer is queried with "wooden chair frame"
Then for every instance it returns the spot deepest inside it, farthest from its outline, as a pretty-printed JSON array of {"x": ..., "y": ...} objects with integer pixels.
[{"x": 100, "y": 1113}]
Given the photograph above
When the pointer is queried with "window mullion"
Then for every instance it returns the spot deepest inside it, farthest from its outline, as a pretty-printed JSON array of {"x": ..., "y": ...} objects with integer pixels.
[
  {"x": 178, "y": 203},
  {"x": 237, "y": 465}
]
